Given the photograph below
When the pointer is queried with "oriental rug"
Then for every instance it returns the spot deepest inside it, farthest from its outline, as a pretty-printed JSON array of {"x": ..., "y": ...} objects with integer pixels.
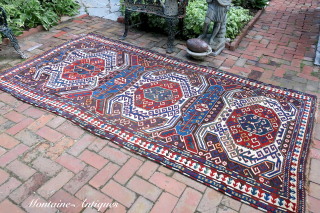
[{"x": 242, "y": 137}]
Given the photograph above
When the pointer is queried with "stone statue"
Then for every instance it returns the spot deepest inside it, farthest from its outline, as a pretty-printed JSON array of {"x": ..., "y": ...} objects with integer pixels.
[{"x": 217, "y": 12}]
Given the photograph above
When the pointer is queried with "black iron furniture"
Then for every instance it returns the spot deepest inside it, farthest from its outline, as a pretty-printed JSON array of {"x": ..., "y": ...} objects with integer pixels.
[
  {"x": 6, "y": 30},
  {"x": 171, "y": 10}
]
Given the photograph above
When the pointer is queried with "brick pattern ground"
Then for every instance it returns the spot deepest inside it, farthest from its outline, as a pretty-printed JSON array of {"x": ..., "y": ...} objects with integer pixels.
[{"x": 59, "y": 165}]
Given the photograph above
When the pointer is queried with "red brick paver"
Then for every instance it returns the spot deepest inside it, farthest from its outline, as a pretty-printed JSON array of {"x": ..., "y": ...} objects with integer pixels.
[
  {"x": 7, "y": 206},
  {"x": 15, "y": 116},
  {"x": 104, "y": 175},
  {"x": 71, "y": 130},
  {"x": 55, "y": 151},
  {"x": 40, "y": 122},
  {"x": 210, "y": 200},
  {"x": 20, "y": 126},
  {"x": 3, "y": 176},
  {"x": 90, "y": 195},
  {"x": 54, "y": 184},
  {"x": 114, "y": 155},
  {"x": 144, "y": 188},
  {"x": 23, "y": 171},
  {"x": 127, "y": 170},
  {"x": 49, "y": 134},
  {"x": 93, "y": 159},
  {"x": 12, "y": 154},
  {"x": 7, "y": 141},
  {"x": 147, "y": 169},
  {"x": 80, "y": 179},
  {"x": 119, "y": 193},
  {"x": 165, "y": 203},
  {"x": 167, "y": 183},
  {"x": 73, "y": 164},
  {"x": 188, "y": 201},
  {"x": 27, "y": 188},
  {"x": 75, "y": 204},
  {"x": 34, "y": 112}
]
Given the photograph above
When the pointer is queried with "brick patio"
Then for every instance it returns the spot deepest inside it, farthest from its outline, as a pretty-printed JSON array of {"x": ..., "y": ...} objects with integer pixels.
[{"x": 40, "y": 159}]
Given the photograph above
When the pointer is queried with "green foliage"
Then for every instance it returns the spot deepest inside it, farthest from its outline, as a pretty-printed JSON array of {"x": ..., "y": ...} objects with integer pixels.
[
  {"x": 259, "y": 4},
  {"x": 237, "y": 18},
  {"x": 14, "y": 19},
  {"x": 194, "y": 19},
  {"x": 22, "y": 14},
  {"x": 34, "y": 14},
  {"x": 61, "y": 7},
  {"x": 196, "y": 13}
]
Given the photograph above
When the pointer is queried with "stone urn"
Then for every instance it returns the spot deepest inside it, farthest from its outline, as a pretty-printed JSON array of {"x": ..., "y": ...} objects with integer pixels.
[{"x": 198, "y": 49}]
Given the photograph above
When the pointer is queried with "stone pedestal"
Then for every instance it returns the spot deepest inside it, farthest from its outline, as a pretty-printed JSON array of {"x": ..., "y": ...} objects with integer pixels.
[{"x": 217, "y": 46}]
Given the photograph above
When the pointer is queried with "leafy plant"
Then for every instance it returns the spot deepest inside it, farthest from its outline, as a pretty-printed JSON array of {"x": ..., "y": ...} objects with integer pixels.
[
  {"x": 258, "y": 4},
  {"x": 14, "y": 19},
  {"x": 22, "y": 14},
  {"x": 237, "y": 18},
  {"x": 194, "y": 19},
  {"x": 36, "y": 14},
  {"x": 61, "y": 7}
]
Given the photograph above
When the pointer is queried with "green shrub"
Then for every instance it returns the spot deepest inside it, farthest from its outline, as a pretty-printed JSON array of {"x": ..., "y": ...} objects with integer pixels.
[
  {"x": 258, "y": 4},
  {"x": 194, "y": 19},
  {"x": 14, "y": 18},
  {"x": 237, "y": 18},
  {"x": 22, "y": 15},
  {"x": 61, "y": 7},
  {"x": 196, "y": 13}
]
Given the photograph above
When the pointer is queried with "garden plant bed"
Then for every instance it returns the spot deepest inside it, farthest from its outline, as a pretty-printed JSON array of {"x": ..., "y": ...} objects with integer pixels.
[
  {"x": 230, "y": 45},
  {"x": 39, "y": 28},
  {"x": 25, "y": 19},
  {"x": 6, "y": 41},
  {"x": 234, "y": 44}
]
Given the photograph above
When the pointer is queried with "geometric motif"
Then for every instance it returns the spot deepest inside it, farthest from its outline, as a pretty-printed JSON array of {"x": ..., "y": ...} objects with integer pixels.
[
  {"x": 120, "y": 80},
  {"x": 83, "y": 68},
  {"x": 202, "y": 107},
  {"x": 242, "y": 137},
  {"x": 157, "y": 95},
  {"x": 256, "y": 122}
]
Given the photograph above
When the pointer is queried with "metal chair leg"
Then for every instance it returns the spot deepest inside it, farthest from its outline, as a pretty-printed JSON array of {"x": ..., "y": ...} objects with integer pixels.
[
  {"x": 181, "y": 27},
  {"x": 171, "y": 26},
  {"x": 9, "y": 34},
  {"x": 127, "y": 18}
]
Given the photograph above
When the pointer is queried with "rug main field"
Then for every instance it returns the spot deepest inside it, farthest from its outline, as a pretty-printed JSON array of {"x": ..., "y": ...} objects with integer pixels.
[{"x": 244, "y": 138}]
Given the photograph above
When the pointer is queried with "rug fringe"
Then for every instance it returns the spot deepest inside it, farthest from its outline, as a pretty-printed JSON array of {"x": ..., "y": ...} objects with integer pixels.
[{"x": 308, "y": 164}]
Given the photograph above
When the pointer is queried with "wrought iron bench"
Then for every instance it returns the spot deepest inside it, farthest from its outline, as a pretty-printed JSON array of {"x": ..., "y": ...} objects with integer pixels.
[
  {"x": 6, "y": 30},
  {"x": 171, "y": 10}
]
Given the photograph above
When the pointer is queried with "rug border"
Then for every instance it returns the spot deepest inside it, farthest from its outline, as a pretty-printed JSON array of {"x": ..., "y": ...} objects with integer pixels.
[{"x": 314, "y": 97}]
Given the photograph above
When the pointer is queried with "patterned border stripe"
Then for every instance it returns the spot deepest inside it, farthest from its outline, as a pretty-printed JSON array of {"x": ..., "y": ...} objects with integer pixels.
[{"x": 217, "y": 177}]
